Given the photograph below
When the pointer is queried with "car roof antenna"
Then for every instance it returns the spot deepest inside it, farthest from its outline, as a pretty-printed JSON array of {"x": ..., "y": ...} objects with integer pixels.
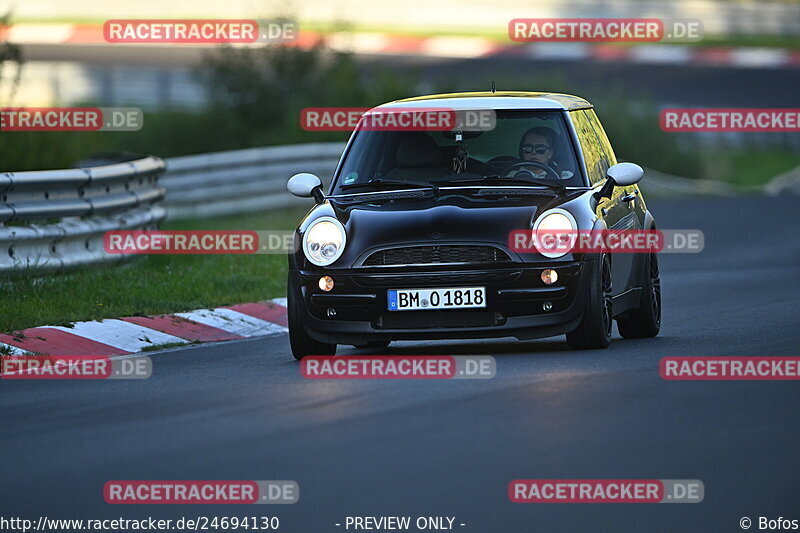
[{"x": 493, "y": 91}]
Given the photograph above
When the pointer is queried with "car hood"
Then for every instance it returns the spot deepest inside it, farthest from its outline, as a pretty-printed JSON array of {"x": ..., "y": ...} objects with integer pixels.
[{"x": 446, "y": 219}]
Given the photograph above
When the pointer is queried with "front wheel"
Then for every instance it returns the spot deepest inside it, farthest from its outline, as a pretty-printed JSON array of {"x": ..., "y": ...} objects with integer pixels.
[
  {"x": 645, "y": 320},
  {"x": 594, "y": 330},
  {"x": 301, "y": 342}
]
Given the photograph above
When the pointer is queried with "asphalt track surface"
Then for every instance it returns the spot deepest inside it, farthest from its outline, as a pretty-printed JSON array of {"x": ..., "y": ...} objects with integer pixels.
[
  {"x": 687, "y": 84},
  {"x": 241, "y": 410}
]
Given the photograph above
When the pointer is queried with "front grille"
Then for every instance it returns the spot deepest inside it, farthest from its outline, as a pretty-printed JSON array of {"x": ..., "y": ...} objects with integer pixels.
[
  {"x": 438, "y": 319},
  {"x": 423, "y": 279},
  {"x": 432, "y": 255}
]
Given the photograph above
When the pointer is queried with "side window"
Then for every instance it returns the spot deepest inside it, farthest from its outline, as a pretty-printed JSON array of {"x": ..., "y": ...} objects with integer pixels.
[
  {"x": 593, "y": 154},
  {"x": 601, "y": 134}
]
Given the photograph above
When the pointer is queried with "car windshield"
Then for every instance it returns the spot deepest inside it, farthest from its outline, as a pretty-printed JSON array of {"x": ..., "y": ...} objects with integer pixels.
[{"x": 525, "y": 146}]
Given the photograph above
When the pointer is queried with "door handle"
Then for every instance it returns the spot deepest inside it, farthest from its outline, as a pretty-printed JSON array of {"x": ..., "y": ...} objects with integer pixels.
[{"x": 630, "y": 197}]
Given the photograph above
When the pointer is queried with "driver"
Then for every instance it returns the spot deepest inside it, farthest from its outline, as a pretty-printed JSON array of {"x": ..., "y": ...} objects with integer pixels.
[{"x": 537, "y": 145}]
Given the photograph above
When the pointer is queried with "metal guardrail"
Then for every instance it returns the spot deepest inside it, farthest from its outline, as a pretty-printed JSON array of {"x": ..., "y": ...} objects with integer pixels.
[
  {"x": 242, "y": 181},
  {"x": 245, "y": 181},
  {"x": 50, "y": 220},
  {"x": 56, "y": 219},
  {"x": 665, "y": 185},
  {"x": 788, "y": 182}
]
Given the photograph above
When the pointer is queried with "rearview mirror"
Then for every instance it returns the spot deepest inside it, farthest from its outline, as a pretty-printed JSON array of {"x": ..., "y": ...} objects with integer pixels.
[
  {"x": 306, "y": 185},
  {"x": 625, "y": 174}
]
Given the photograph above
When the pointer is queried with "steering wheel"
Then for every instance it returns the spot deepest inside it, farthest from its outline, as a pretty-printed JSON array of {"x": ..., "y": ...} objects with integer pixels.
[
  {"x": 548, "y": 169},
  {"x": 502, "y": 160}
]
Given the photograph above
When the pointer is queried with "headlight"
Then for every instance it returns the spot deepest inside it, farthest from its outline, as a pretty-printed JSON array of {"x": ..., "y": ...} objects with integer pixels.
[
  {"x": 555, "y": 233},
  {"x": 323, "y": 241}
]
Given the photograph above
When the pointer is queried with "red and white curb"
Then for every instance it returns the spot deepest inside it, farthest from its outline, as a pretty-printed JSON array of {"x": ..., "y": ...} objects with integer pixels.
[
  {"x": 120, "y": 336},
  {"x": 465, "y": 47}
]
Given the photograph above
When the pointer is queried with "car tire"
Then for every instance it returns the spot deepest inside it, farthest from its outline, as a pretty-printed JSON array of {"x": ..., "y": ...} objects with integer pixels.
[
  {"x": 645, "y": 320},
  {"x": 594, "y": 329},
  {"x": 302, "y": 343}
]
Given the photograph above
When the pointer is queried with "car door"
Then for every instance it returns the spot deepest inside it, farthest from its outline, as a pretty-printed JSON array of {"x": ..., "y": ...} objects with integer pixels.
[
  {"x": 626, "y": 216},
  {"x": 615, "y": 211}
]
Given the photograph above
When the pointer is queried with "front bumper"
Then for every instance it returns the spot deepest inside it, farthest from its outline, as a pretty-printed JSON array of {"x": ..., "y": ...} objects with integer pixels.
[{"x": 515, "y": 296}]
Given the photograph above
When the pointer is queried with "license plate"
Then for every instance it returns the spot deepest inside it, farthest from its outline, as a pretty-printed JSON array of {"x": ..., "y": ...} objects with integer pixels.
[{"x": 451, "y": 298}]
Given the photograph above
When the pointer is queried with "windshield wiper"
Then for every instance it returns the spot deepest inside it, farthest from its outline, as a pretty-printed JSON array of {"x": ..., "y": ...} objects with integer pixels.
[
  {"x": 381, "y": 182},
  {"x": 494, "y": 179}
]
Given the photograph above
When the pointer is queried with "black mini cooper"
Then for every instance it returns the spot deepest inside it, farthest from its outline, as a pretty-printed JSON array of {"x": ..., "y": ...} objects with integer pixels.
[{"x": 411, "y": 241}]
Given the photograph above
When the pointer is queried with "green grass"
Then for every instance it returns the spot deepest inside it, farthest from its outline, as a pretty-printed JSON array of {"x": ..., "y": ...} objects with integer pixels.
[
  {"x": 152, "y": 284},
  {"x": 165, "y": 134},
  {"x": 760, "y": 41},
  {"x": 171, "y": 283},
  {"x": 749, "y": 169}
]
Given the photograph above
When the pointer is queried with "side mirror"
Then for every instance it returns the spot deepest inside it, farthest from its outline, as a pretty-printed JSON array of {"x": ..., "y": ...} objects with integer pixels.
[
  {"x": 306, "y": 185},
  {"x": 622, "y": 174},
  {"x": 625, "y": 174}
]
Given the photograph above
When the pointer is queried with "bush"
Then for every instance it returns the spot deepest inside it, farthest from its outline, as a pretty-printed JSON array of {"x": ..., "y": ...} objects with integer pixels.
[
  {"x": 257, "y": 95},
  {"x": 636, "y": 135},
  {"x": 256, "y": 99},
  {"x": 266, "y": 89}
]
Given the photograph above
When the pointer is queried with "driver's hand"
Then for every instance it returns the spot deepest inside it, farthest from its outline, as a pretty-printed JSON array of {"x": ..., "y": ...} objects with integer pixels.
[{"x": 537, "y": 172}]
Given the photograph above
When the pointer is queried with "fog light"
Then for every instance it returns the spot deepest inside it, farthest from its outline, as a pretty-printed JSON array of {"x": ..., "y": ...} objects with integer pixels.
[
  {"x": 549, "y": 276},
  {"x": 326, "y": 283},
  {"x": 547, "y": 306},
  {"x": 331, "y": 312}
]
